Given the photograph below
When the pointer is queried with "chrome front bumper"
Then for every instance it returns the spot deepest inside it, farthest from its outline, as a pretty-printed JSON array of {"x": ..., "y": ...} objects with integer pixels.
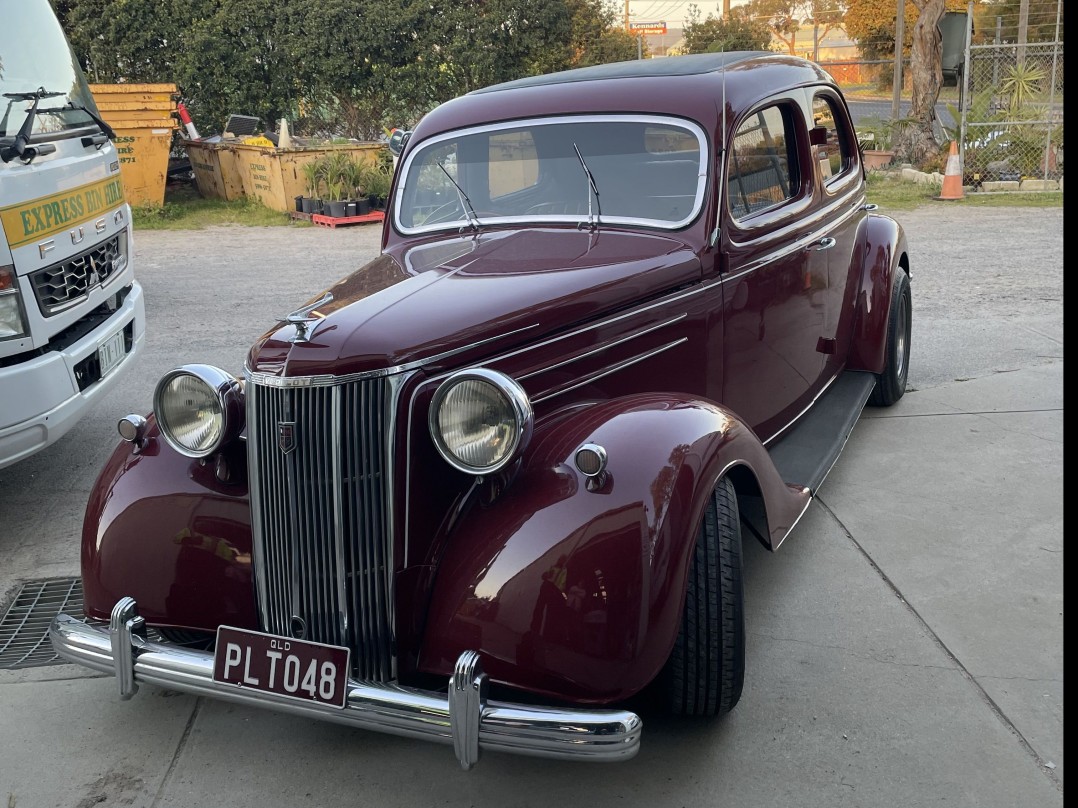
[{"x": 463, "y": 716}]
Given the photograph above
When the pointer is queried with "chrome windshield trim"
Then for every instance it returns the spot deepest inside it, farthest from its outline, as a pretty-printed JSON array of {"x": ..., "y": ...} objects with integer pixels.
[{"x": 669, "y": 120}]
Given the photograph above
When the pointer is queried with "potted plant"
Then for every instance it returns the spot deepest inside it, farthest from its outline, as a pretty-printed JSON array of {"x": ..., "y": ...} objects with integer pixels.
[
  {"x": 874, "y": 140},
  {"x": 376, "y": 182},
  {"x": 312, "y": 178},
  {"x": 358, "y": 205},
  {"x": 338, "y": 188}
]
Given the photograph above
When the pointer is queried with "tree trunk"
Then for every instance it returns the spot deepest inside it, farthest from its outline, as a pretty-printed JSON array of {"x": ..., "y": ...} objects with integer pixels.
[{"x": 915, "y": 141}]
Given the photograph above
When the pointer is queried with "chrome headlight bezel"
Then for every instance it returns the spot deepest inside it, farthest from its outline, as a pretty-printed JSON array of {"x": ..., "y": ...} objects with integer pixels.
[
  {"x": 225, "y": 388},
  {"x": 518, "y": 407}
]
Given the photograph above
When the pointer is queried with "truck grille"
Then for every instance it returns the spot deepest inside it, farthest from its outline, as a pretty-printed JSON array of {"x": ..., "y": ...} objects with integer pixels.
[
  {"x": 66, "y": 283},
  {"x": 322, "y": 544}
]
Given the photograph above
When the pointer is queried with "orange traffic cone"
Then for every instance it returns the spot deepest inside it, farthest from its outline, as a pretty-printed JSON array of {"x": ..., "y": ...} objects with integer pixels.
[{"x": 952, "y": 176}]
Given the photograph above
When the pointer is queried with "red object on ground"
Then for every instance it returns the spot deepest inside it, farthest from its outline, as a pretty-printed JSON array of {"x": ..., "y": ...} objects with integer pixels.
[
  {"x": 188, "y": 124},
  {"x": 338, "y": 221}
]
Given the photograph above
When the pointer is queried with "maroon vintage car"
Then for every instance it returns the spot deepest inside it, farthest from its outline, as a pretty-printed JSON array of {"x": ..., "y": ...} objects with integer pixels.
[{"x": 495, "y": 483}]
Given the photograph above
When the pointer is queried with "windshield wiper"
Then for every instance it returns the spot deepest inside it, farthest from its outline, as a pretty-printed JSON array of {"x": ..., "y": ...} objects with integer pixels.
[
  {"x": 465, "y": 202},
  {"x": 20, "y": 147},
  {"x": 108, "y": 130},
  {"x": 592, "y": 189}
]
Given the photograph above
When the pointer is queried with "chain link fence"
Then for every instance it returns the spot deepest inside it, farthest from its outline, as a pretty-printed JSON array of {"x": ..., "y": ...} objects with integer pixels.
[{"x": 1012, "y": 115}]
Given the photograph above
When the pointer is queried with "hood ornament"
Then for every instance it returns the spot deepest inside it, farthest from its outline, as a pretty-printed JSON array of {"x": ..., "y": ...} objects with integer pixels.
[{"x": 301, "y": 317}]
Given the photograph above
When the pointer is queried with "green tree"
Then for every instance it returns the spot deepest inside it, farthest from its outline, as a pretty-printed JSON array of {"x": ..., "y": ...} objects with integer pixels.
[
  {"x": 871, "y": 24},
  {"x": 597, "y": 36},
  {"x": 349, "y": 67},
  {"x": 1041, "y": 26},
  {"x": 785, "y": 18},
  {"x": 733, "y": 32},
  {"x": 916, "y": 142},
  {"x": 232, "y": 59}
]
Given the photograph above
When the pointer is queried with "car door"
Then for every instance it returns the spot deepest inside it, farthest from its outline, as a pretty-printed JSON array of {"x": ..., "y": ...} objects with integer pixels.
[
  {"x": 773, "y": 309},
  {"x": 840, "y": 181}
]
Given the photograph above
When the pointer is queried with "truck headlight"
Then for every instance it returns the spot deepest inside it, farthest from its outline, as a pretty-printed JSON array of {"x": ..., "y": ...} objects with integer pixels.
[
  {"x": 480, "y": 420},
  {"x": 12, "y": 323},
  {"x": 199, "y": 409}
]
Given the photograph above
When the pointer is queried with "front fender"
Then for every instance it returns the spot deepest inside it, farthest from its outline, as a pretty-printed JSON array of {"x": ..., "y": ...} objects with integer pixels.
[
  {"x": 883, "y": 245},
  {"x": 163, "y": 529},
  {"x": 574, "y": 590}
]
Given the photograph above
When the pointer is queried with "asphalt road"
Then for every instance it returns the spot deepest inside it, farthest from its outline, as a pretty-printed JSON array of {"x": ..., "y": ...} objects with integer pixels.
[
  {"x": 904, "y": 647},
  {"x": 879, "y": 108}
]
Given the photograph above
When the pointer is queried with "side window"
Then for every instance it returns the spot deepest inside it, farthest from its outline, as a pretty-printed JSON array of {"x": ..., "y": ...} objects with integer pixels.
[
  {"x": 763, "y": 168},
  {"x": 514, "y": 165},
  {"x": 833, "y": 155}
]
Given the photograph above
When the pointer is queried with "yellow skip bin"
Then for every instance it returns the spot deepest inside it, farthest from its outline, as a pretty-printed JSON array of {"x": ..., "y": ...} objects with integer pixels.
[{"x": 143, "y": 117}]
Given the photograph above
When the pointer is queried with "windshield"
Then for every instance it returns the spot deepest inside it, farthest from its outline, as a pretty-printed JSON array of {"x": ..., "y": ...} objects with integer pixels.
[
  {"x": 34, "y": 54},
  {"x": 647, "y": 170}
]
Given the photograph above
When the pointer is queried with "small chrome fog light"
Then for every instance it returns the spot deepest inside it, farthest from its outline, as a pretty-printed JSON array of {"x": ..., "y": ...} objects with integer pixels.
[
  {"x": 132, "y": 428},
  {"x": 591, "y": 459}
]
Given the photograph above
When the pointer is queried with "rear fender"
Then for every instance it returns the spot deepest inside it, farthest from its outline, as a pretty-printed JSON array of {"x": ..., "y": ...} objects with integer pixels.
[
  {"x": 883, "y": 245},
  {"x": 163, "y": 529},
  {"x": 574, "y": 589}
]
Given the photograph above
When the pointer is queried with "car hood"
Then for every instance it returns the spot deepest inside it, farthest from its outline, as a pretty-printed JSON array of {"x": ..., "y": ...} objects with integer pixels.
[{"x": 451, "y": 299}]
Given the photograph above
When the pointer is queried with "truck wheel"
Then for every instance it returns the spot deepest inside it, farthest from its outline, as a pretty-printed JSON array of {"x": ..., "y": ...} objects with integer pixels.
[
  {"x": 891, "y": 384},
  {"x": 706, "y": 669}
]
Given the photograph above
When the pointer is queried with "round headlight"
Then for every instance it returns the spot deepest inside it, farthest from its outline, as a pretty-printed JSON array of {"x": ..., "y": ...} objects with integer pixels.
[
  {"x": 480, "y": 420},
  {"x": 199, "y": 408}
]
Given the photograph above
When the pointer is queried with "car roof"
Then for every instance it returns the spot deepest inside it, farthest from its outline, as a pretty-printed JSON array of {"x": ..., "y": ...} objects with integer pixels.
[
  {"x": 689, "y": 87},
  {"x": 691, "y": 65}
]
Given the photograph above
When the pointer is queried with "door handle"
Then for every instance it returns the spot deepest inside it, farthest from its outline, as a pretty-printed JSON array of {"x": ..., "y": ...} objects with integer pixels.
[{"x": 826, "y": 243}]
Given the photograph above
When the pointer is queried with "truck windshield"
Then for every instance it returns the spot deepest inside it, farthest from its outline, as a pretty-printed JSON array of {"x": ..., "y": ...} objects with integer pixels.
[
  {"x": 609, "y": 169},
  {"x": 34, "y": 54}
]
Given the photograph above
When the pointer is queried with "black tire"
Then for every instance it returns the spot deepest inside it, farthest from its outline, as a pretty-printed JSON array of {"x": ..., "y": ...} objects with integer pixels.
[
  {"x": 891, "y": 384},
  {"x": 706, "y": 669}
]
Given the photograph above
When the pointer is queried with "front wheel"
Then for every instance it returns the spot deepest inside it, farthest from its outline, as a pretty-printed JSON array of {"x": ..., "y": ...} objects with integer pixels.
[
  {"x": 891, "y": 384},
  {"x": 706, "y": 669}
]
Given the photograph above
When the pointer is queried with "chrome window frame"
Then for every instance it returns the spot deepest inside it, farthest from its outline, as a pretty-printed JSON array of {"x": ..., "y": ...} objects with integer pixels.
[{"x": 664, "y": 120}]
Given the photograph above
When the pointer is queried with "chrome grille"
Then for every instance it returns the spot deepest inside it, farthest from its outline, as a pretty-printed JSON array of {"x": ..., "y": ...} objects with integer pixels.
[
  {"x": 64, "y": 284},
  {"x": 322, "y": 544}
]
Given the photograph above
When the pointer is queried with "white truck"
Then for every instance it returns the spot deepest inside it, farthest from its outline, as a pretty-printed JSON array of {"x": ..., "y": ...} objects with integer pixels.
[{"x": 71, "y": 313}]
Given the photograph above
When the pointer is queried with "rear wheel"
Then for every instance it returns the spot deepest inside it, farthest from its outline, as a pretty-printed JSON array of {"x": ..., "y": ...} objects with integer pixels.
[
  {"x": 706, "y": 669},
  {"x": 891, "y": 384}
]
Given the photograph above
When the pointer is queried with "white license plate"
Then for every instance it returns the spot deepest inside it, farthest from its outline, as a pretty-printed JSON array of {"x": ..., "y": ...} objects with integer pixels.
[{"x": 111, "y": 353}]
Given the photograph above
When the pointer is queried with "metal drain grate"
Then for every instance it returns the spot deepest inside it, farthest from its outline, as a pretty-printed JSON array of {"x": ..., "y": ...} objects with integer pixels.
[{"x": 24, "y": 628}]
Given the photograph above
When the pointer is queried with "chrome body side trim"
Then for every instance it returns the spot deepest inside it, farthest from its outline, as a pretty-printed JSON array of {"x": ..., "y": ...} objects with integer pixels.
[
  {"x": 808, "y": 407},
  {"x": 605, "y": 346},
  {"x": 592, "y": 377},
  {"x": 465, "y": 719}
]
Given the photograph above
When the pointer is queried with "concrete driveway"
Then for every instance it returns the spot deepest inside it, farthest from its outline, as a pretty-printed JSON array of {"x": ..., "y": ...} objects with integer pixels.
[{"x": 905, "y": 647}]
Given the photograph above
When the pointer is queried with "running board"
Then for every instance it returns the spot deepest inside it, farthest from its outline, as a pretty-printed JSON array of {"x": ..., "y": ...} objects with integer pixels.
[{"x": 806, "y": 453}]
